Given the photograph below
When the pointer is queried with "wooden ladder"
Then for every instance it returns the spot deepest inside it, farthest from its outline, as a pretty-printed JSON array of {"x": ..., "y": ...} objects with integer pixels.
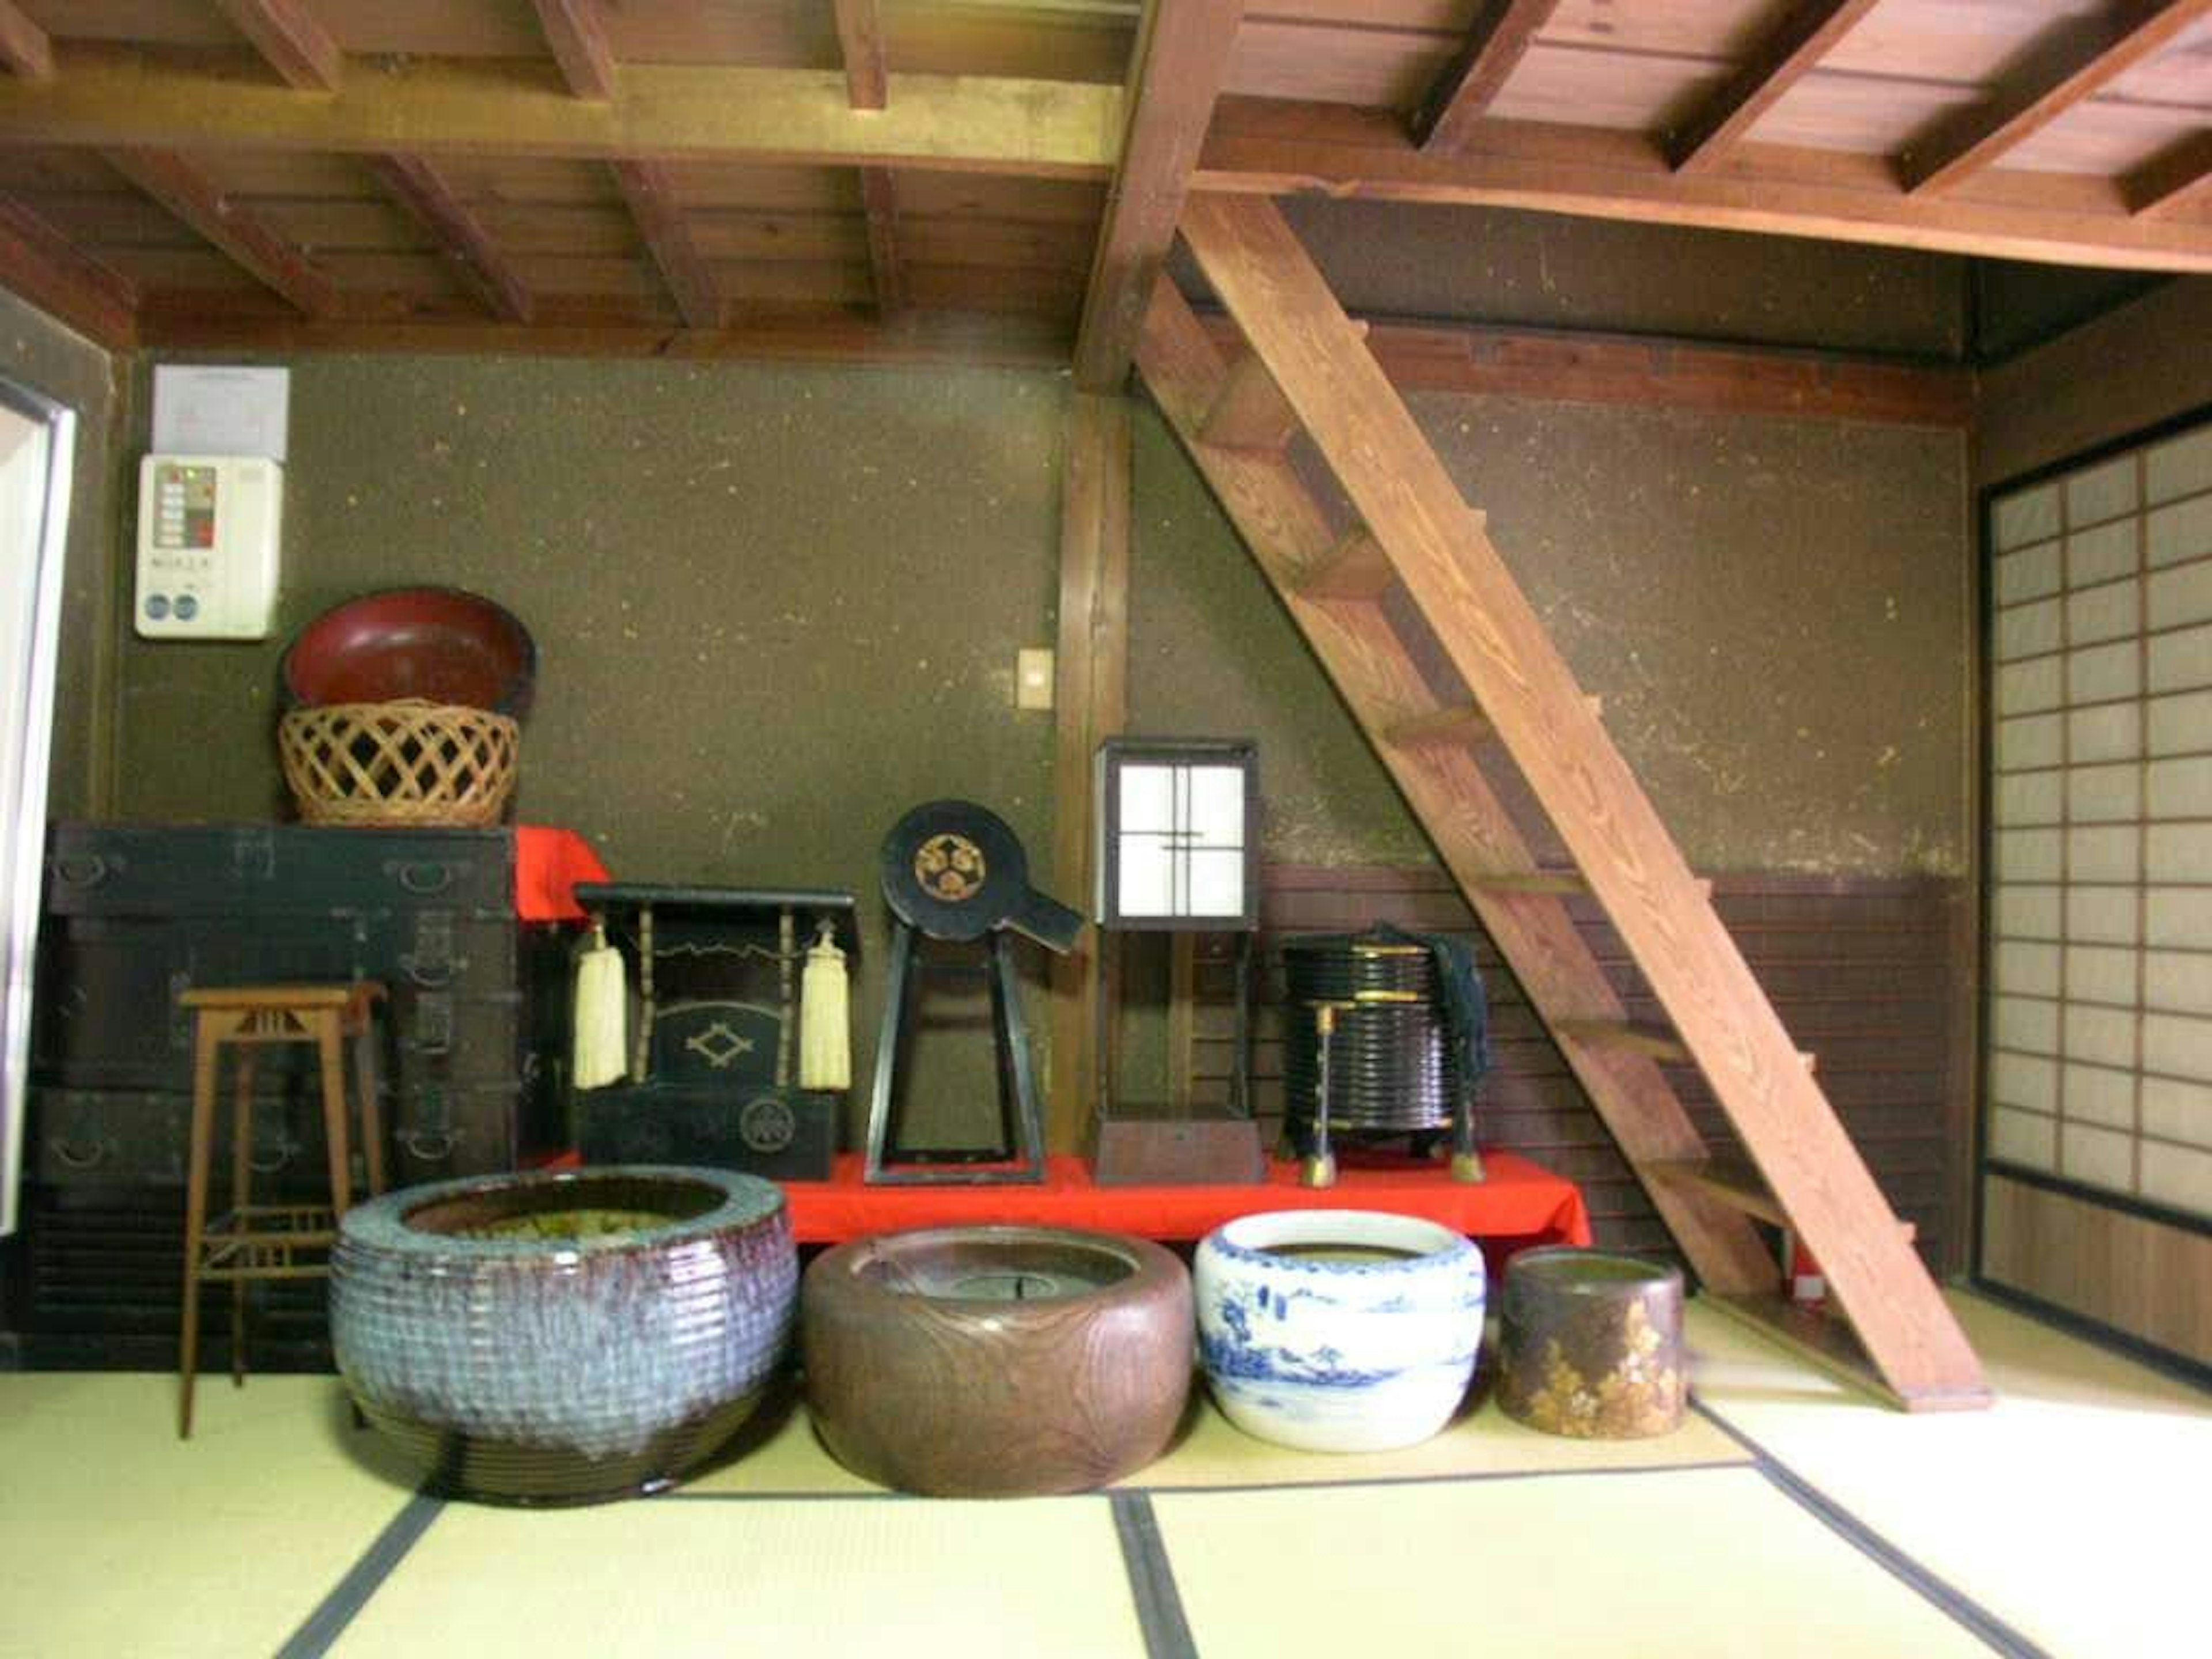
[{"x": 1417, "y": 562}]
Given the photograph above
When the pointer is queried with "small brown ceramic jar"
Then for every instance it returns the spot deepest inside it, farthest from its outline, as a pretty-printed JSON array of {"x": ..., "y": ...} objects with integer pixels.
[
  {"x": 1590, "y": 1344},
  {"x": 986, "y": 1362}
]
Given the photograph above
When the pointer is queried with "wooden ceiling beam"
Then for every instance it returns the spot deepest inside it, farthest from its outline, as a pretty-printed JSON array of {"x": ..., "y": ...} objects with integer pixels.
[
  {"x": 579, "y": 46},
  {"x": 461, "y": 238},
  {"x": 2062, "y": 67},
  {"x": 1180, "y": 60},
  {"x": 879, "y": 196},
  {"x": 41, "y": 266},
  {"x": 1805, "y": 33},
  {"x": 652, "y": 197},
  {"x": 496, "y": 107},
  {"x": 1281, "y": 149},
  {"x": 191, "y": 196},
  {"x": 288, "y": 36},
  {"x": 24, "y": 48},
  {"x": 2174, "y": 182},
  {"x": 861, "y": 35},
  {"x": 1500, "y": 36}
]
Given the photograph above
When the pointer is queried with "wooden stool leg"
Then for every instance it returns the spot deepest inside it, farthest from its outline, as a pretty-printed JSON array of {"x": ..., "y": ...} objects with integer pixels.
[
  {"x": 330, "y": 1046},
  {"x": 241, "y": 1195},
  {"x": 206, "y": 1056},
  {"x": 372, "y": 1122}
]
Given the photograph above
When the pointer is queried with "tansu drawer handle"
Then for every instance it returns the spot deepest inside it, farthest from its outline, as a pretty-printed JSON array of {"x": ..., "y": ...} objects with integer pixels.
[
  {"x": 68, "y": 1155},
  {"x": 424, "y": 880},
  {"x": 88, "y": 871},
  {"x": 432, "y": 976},
  {"x": 270, "y": 1166},
  {"x": 431, "y": 1148}
]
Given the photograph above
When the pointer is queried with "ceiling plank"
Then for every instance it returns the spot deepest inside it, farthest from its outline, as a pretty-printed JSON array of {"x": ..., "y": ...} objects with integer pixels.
[
  {"x": 2060, "y": 69},
  {"x": 1282, "y": 148},
  {"x": 880, "y": 198},
  {"x": 41, "y": 266},
  {"x": 579, "y": 40},
  {"x": 182, "y": 188},
  {"x": 2175, "y": 182},
  {"x": 467, "y": 246},
  {"x": 287, "y": 34},
  {"x": 498, "y": 107},
  {"x": 652, "y": 197},
  {"x": 1180, "y": 60},
  {"x": 1501, "y": 33},
  {"x": 861, "y": 33},
  {"x": 24, "y": 48},
  {"x": 1801, "y": 38}
]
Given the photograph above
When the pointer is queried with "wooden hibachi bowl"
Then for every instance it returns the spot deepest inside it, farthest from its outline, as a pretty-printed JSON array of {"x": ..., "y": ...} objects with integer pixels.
[{"x": 996, "y": 1362}]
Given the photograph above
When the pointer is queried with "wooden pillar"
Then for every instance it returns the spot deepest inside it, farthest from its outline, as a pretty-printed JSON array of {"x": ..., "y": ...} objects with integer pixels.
[{"x": 1090, "y": 702}]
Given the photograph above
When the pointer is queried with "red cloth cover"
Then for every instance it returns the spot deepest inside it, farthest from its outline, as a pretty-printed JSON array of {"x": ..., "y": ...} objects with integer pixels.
[{"x": 548, "y": 865}]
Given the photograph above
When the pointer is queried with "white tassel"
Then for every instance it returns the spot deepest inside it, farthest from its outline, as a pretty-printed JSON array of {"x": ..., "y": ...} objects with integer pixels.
[
  {"x": 602, "y": 1017},
  {"x": 825, "y": 1046}
]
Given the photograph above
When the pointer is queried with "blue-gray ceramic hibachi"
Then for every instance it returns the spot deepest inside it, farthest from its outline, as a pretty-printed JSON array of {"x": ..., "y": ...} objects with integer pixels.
[
  {"x": 1338, "y": 1330},
  {"x": 562, "y": 1338}
]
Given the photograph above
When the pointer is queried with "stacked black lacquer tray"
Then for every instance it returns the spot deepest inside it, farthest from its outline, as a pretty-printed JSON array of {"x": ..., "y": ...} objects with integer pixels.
[{"x": 1391, "y": 1065}]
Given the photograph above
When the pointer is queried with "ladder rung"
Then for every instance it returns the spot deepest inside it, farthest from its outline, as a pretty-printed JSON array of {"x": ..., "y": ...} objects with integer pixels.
[
  {"x": 1251, "y": 412},
  {"x": 1653, "y": 1040},
  {"x": 1827, "y": 1340},
  {"x": 1561, "y": 882},
  {"x": 1731, "y": 1181},
  {"x": 1456, "y": 723},
  {"x": 1356, "y": 568}
]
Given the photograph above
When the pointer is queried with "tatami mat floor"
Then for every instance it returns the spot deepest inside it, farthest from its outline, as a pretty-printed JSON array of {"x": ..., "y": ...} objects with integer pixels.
[{"x": 1787, "y": 1517}]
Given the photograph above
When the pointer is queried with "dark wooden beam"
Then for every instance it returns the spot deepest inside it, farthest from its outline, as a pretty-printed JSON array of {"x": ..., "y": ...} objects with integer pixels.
[
  {"x": 181, "y": 187},
  {"x": 491, "y": 107},
  {"x": 2059, "y": 70},
  {"x": 1644, "y": 371},
  {"x": 567, "y": 328},
  {"x": 880, "y": 198},
  {"x": 860, "y": 34},
  {"x": 1180, "y": 59},
  {"x": 462, "y": 239},
  {"x": 287, "y": 34},
  {"x": 646, "y": 186},
  {"x": 579, "y": 40},
  {"x": 41, "y": 266},
  {"x": 1501, "y": 34},
  {"x": 2174, "y": 182},
  {"x": 1807, "y": 32},
  {"x": 24, "y": 48},
  {"x": 1282, "y": 148}
]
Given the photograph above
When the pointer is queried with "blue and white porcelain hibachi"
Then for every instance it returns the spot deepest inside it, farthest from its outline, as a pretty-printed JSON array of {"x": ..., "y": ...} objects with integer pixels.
[{"x": 1338, "y": 1330}]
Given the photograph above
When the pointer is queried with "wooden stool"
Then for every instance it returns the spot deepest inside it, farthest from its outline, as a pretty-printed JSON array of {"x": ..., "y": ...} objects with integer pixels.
[{"x": 252, "y": 1241}]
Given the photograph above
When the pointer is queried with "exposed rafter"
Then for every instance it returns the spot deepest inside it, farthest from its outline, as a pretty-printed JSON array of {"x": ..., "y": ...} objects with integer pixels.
[
  {"x": 860, "y": 35},
  {"x": 189, "y": 193},
  {"x": 1807, "y": 32},
  {"x": 24, "y": 48},
  {"x": 286, "y": 33},
  {"x": 489, "y": 106},
  {"x": 2060, "y": 70},
  {"x": 579, "y": 40},
  {"x": 466, "y": 246},
  {"x": 652, "y": 197},
  {"x": 1501, "y": 34},
  {"x": 1282, "y": 148},
  {"x": 1177, "y": 72},
  {"x": 2175, "y": 182},
  {"x": 39, "y": 262}
]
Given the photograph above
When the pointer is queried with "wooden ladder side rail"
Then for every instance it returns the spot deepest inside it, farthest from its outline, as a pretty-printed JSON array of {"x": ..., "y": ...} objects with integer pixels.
[
  {"x": 1494, "y": 639},
  {"x": 1285, "y": 528}
]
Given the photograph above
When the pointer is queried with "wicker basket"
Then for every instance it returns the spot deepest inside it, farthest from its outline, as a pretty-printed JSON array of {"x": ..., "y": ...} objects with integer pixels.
[{"x": 400, "y": 765}]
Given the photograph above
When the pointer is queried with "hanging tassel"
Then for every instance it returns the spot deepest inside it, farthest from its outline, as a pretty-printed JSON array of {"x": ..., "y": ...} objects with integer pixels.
[
  {"x": 602, "y": 1015},
  {"x": 825, "y": 1046}
]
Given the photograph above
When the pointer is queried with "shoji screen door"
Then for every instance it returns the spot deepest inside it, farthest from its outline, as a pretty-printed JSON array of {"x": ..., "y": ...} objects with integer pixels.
[{"x": 2100, "y": 948}]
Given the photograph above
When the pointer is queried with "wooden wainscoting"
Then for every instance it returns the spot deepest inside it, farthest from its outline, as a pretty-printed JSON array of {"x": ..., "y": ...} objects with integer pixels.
[
  {"x": 2151, "y": 1280},
  {"x": 1859, "y": 968}
]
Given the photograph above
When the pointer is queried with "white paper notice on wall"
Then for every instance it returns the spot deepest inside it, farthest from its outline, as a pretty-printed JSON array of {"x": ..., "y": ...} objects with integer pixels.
[{"x": 201, "y": 409}]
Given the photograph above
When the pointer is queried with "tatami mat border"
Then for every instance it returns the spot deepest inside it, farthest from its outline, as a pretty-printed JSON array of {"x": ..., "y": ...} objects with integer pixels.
[
  {"x": 1968, "y": 1612},
  {"x": 353, "y": 1592}
]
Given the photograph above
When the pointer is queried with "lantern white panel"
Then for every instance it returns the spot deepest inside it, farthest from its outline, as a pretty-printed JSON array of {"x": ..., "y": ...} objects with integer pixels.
[
  {"x": 1147, "y": 799},
  {"x": 1217, "y": 806},
  {"x": 1217, "y": 883},
  {"x": 1147, "y": 874}
]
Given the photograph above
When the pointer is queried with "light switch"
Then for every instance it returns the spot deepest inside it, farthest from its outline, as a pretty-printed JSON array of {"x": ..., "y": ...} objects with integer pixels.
[{"x": 1033, "y": 671}]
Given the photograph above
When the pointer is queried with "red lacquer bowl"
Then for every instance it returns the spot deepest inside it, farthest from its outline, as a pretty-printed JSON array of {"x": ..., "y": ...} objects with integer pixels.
[{"x": 441, "y": 644}]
